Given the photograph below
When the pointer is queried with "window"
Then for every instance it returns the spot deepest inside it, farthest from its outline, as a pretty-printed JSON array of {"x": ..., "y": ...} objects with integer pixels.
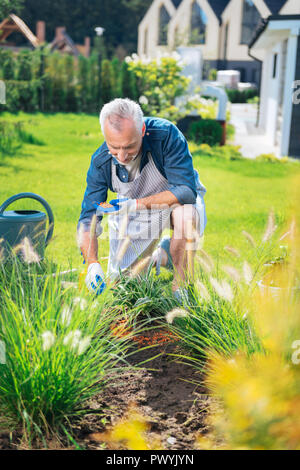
[
  {"x": 274, "y": 65},
  {"x": 225, "y": 42},
  {"x": 146, "y": 41},
  {"x": 250, "y": 21},
  {"x": 198, "y": 24},
  {"x": 164, "y": 19},
  {"x": 242, "y": 73}
]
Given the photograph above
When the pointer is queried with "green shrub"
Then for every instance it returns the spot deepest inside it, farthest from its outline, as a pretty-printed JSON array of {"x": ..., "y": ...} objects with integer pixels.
[
  {"x": 116, "y": 69},
  {"x": 7, "y": 64},
  {"x": 127, "y": 82},
  {"x": 21, "y": 96},
  {"x": 24, "y": 66},
  {"x": 206, "y": 131},
  {"x": 94, "y": 75},
  {"x": 212, "y": 75},
  {"x": 237, "y": 96},
  {"x": 160, "y": 81},
  {"x": 58, "y": 348},
  {"x": 71, "y": 99},
  {"x": 271, "y": 158},
  {"x": 144, "y": 296},
  {"x": 106, "y": 81}
]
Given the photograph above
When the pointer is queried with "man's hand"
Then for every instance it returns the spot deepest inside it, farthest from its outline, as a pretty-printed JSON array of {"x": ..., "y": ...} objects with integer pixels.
[
  {"x": 126, "y": 206},
  {"x": 95, "y": 279}
]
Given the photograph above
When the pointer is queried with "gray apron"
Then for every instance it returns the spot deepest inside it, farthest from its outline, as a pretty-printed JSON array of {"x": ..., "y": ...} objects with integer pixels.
[{"x": 145, "y": 226}]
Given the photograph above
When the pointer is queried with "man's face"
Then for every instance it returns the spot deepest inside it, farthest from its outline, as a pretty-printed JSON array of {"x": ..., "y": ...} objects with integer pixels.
[{"x": 124, "y": 144}]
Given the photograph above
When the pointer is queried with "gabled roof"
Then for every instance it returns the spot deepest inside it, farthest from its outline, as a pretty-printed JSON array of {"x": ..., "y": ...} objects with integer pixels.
[
  {"x": 218, "y": 6},
  {"x": 176, "y": 3},
  {"x": 264, "y": 23},
  {"x": 14, "y": 24},
  {"x": 275, "y": 5},
  {"x": 64, "y": 43}
]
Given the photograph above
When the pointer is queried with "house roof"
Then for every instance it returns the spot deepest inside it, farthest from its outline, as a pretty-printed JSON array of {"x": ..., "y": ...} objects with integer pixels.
[
  {"x": 66, "y": 43},
  {"x": 264, "y": 23},
  {"x": 218, "y": 6},
  {"x": 275, "y": 5},
  {"x": 176, "y": 3}
]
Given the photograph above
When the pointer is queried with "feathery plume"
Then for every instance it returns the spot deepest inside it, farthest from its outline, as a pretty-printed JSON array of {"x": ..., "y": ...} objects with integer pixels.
[
  {"x": 21, "y": 230},
  {"x": 79, "y": 234},
  {"x": 69, "y": 285},
  {"x": 223, "y": 289},
  {"x": 190, "y": 246},
  {"x": 66, "y": 315},
  {"x": 175, "y": 313},
  {"x": 93, "y": 226},
  {"x": 81, "y": 302},
  {"x": 29, "y": 255},
  {"x": 233, "y": 273},
  {"x": 23, "y": 316},
  {"x": 83, "y": 345},
  {"x": 48, "y": 340},
  {"x": 232, "y": 251},
  {"x": 206, "y": 266},
  {"x": 123, "y": 249},
  {"x": 207, "y": 258},
  {"x": 271, "y": 227},
  {"x": 140, "y": 266},
  {"x": 202, "y": 291},
  {"x": 247, "y": 271},
  {"x": 123, "y": 226},
  {"x": 72, "y": 339},
  {"x": 291, "y": 231},
  {"x": 249, "y": 237}
]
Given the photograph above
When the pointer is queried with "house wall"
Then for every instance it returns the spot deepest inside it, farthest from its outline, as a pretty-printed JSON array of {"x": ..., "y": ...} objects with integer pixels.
[
  {"x": 270, "y": 93},
  {"x": 232, "y": 15},
  {"x": 294, "y": 141},
  {"x": 150, "y": 22},
  {"x": 180, "y": 23},
  {"x": 290, "y": 7}
]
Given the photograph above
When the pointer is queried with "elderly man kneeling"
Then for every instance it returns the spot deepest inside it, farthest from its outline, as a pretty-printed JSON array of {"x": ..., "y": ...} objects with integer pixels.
[{"x": 146, "y": 161}]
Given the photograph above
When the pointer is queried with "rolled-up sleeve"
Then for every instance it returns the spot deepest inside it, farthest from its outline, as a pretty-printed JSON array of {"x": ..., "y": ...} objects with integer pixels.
[
  {"x": 96, "y": 191},
  {"x": 178, "y": 166}
]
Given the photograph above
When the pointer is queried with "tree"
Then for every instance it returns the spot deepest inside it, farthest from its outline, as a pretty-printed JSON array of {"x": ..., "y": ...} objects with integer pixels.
[
  {"x": 10, "y": 6},
  {"x": 128, "y": 89},
  {"x": 24, "y": 61},
  {"x": 120, "y": 19},
  {"x": 106, "y": 81},
  {"x": 7, "y": 64}
]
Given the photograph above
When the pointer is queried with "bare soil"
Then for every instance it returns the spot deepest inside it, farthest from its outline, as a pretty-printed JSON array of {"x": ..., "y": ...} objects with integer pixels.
[{"x": 166, "y": 392}]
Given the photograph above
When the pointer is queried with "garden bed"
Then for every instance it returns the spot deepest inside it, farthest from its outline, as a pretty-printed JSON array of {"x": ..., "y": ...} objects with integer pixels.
[{"x": 167, "y": 393}]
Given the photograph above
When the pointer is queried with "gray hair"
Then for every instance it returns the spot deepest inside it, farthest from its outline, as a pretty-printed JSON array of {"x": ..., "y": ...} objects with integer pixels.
[{"x": 121, "y": 108}]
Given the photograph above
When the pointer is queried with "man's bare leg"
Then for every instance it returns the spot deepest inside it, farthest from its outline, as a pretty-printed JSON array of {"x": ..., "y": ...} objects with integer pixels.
[{"x": 184, "y": 219}]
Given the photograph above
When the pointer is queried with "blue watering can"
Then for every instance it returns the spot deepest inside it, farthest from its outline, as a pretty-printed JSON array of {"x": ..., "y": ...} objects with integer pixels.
[{"x": 18, "y": 224}]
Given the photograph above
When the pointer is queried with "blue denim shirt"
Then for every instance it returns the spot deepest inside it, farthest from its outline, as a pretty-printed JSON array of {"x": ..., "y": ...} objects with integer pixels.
[{"x": 170, "y": 153}]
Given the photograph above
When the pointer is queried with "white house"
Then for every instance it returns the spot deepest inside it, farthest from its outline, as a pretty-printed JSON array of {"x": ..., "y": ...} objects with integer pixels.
[
  {"x": 222, "y": 29},
  {"x": 278, "y": 43}
]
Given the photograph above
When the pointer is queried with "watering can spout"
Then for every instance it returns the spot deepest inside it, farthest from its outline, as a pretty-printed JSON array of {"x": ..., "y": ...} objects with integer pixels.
[{"x": 18, "y": 224}]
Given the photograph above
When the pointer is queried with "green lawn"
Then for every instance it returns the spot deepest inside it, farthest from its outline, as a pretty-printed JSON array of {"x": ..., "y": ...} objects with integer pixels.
[{"x": 239, "y": 193}]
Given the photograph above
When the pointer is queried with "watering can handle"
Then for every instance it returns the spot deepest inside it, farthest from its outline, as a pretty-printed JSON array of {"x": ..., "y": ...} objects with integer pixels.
[{"x": 42, "y": 201}]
